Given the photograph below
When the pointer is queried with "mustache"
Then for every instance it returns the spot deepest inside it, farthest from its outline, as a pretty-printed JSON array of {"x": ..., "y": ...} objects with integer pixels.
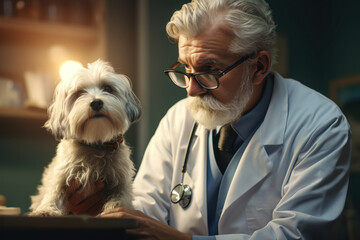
[{"x": 208, "y": 102}]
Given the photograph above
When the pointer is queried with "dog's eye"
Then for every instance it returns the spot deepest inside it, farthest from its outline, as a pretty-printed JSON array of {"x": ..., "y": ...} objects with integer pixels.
[
  {"x": 108, "y": 89},
  {"x": 79, "y": 93}
]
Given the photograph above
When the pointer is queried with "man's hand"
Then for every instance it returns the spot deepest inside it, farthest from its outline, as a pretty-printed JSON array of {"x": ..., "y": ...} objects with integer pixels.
[
  {"x": 77, "y": 202},
  {"x": 149, "y": 228}
]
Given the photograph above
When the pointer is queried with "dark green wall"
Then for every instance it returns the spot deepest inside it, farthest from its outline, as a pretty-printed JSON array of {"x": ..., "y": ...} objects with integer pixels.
[
  {"x": 25, "y": 149},
  {"x": 162, "y": 54},
  {"x": 322, "y": 39}
]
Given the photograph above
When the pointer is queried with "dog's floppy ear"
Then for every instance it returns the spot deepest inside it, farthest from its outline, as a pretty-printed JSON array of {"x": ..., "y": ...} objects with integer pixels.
[
  {"x": 133, "y": 107},
  {"x": 56, "y": 123}
]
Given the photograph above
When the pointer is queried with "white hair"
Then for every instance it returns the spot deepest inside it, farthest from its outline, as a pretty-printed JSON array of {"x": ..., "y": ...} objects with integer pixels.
[{"x": 250, "y": 21}]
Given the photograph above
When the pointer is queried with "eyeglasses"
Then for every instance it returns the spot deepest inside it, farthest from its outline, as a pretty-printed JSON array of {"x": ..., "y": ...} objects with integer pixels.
[{"x": 181, "y": 78}]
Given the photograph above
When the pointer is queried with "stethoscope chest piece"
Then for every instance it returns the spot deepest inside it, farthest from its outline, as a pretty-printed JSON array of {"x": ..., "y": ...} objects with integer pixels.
[{"x": 181, "y": 194}]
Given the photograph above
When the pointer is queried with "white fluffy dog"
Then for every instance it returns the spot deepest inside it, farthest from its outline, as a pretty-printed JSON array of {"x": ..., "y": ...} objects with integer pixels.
[{"x": 91, "y": 111}]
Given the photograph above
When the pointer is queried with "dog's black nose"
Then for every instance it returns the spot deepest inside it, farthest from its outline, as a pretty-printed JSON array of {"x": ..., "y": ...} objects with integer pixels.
[{"x": 97, "y": 104}]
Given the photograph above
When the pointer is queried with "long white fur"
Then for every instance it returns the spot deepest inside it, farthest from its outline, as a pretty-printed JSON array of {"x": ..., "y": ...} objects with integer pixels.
[{"x": 72, "y": 121}]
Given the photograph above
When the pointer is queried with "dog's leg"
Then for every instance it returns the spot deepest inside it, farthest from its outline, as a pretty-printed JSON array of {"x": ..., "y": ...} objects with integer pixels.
[
  {"x": 50, "y": 198},
  {"x": 116, "y": 202},
  {"x": 50, "y": 205},
  {"x": 119, "y": 199}
]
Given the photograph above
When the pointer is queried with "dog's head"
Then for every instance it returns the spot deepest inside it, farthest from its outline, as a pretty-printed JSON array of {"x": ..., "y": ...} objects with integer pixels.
[{"x": 93, "y": 104}]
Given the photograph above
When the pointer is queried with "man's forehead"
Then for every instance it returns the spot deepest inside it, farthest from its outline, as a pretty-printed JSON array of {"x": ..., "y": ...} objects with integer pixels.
[
  {"x": 209, "y": 46},
  {"x": 200, "y": 54},
  {"x": 201, "y": 61}
]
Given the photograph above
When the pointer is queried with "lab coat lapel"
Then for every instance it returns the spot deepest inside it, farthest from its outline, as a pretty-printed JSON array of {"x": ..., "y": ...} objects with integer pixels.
[
  {"x": 254, "y": 165},
  {"x": 257, "y": 160}
]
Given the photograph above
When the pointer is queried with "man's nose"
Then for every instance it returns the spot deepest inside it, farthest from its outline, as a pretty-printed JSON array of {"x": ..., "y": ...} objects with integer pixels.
[{"x": 194, "y": 88}]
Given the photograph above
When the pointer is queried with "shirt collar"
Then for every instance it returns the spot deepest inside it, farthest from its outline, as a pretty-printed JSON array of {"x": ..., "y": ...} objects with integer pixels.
[{"x": 249, "y": 121}]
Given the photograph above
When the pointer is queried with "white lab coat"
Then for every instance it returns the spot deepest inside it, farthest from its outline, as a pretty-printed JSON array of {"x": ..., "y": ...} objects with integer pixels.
[{"x": 291, "y": 181}]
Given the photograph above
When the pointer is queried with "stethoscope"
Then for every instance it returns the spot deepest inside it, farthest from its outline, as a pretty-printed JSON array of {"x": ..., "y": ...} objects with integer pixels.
[{"x": 182, "y": 193}]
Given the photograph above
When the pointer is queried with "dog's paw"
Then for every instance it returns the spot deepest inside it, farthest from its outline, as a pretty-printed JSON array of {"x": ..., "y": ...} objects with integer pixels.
[
  {"x": 45, "y": 214},
  {"x": 116, "y": 203}
]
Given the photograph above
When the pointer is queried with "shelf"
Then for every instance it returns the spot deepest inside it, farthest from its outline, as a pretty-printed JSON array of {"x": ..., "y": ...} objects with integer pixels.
[
  {"x": 23, "y": 113},
  {"x": 23, "y": 122},
  {"x": 49, "y": 29},
  {"x": 26, "y": 44}
]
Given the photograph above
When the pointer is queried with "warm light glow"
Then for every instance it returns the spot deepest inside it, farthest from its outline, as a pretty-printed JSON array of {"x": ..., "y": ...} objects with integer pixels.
[{"x": 69, "y": 67}]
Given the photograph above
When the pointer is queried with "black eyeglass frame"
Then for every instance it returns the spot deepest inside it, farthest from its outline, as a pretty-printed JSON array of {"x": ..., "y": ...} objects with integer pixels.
[{"x": 216, "y": 75}]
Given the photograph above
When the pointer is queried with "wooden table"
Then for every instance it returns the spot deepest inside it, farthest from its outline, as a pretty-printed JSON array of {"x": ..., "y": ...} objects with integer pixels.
[{"x": 72, "y": 227}]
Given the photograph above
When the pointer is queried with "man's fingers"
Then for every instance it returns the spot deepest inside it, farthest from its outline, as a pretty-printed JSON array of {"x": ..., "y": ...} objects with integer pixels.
[
  {"x": 73, "y": 187},
  {"x": 123, "y": 212},
  {"x": 120, "y": 210},
  {"x": 96, "y": 209},
  {"x": 99, "y": 186},
  {"x": 75, "y": 194},
  {"x": 137, "y": 234},
  {"x": 90, "y": 205},
  {"x": 79, "y": 202}
]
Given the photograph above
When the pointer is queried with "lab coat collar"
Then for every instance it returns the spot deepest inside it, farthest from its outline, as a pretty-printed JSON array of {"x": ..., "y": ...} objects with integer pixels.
[{"x": 276, "y": 115}]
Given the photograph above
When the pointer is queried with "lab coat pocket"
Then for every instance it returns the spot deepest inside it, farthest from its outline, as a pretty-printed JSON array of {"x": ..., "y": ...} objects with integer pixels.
[
  {"x": 190, "y": 219},
  {"x": 258, "y": 217}
]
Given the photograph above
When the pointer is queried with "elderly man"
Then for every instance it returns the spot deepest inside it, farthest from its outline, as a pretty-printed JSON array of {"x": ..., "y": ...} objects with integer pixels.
[{"x": 283, "y": 175}]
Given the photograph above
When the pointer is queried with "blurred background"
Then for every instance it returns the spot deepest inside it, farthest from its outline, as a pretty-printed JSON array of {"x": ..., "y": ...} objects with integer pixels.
[{"x": 317, "y": 41}]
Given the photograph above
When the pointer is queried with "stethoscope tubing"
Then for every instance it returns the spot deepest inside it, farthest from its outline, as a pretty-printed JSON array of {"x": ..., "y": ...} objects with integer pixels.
[{"x": 186, "y": 157}]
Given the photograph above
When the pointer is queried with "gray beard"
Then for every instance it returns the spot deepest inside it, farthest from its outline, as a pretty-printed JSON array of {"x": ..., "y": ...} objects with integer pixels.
[{"x": 210, "y": 113}]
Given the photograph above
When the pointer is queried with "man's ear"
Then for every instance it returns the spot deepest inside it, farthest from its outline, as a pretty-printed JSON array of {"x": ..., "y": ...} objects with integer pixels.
[{"x": 262, "y": 67}]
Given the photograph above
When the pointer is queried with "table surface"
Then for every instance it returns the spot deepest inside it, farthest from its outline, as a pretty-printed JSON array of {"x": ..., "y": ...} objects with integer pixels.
[
  {"x": 68, "y": 228},
  {"x": 68, "y": 222}
]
